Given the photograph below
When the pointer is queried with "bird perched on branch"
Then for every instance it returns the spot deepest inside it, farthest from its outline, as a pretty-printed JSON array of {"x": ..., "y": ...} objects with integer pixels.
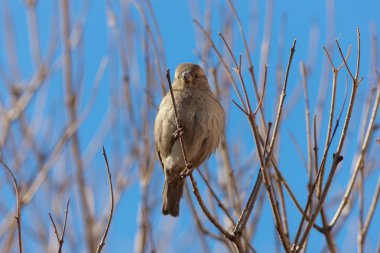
[{"x": 202, "y": 124}]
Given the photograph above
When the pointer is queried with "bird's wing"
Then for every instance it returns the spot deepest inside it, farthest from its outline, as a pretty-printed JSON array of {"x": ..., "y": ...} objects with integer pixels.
[
  {"x": 159, "y": 156},
  {"x": 164, "y": 127}
]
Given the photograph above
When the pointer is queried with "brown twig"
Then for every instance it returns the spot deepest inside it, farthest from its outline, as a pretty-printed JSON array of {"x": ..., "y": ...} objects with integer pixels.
[
  {"x": 331, "y": 114},
  {"x": 362, "y": 151},
  {"x": 227, "y": 234},
  {"x": 326, "y": 229},
  {"x": 215, "y": 196},
  {"x": 60, "y": 238},
  {"x": 64, "y": 225},
  {"x": 261, "y": 99},
  {"x": 250, "y": 65},
  {"x": 238, "y": 70},
  {"x": 268, "y": 156},
  {"x": 55, "y": 227},
  {"x": 188, "y": 166},
  {"x": 220, "y": 57},
  {"x": 359, "y": 167},
  {"x": 232, "y": 188},
  {"x": 252, "y": 198},
  {"x": 103, "y": 241},
  {"x": 293, "y": 197},
  {"x": 251, "y": 118},
  {"x": 264, "y": 159},
  {"x": 252, "y": 229},
  {"x": 18, "y": 204},
  {"x": 304, "y": 75},
  {"x": 337, "y": 158},
  {"x": 281, "y": 103},
  {"x": 203, "y": 231}
]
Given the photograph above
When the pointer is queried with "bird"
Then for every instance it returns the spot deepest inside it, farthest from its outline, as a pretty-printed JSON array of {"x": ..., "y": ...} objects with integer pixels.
[{"x": 202, "y": 120}]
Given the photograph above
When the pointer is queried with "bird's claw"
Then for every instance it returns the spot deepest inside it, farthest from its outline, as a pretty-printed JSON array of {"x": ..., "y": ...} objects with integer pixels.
[
  {"x": 178, "y": 132},
  {"x": 187, "y": 171}
]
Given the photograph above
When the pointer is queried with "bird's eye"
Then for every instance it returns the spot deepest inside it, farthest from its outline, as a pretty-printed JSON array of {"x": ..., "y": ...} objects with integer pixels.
[{"x": 196, "y": 76}]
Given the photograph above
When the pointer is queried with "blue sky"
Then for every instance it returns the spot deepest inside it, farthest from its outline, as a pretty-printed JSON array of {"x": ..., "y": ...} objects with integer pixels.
[{"x": 310, "y": 22}]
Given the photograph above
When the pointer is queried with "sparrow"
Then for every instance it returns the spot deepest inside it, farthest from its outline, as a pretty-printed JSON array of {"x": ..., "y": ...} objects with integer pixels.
[{"x": 202, "y": 120}]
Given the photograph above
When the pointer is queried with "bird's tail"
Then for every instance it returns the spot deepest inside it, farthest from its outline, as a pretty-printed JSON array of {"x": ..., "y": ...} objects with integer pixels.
[{"x": 171, "y": 195}]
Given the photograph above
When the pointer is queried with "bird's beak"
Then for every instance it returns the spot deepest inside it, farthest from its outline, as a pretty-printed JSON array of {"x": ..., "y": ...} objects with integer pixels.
[{"x": 186, "y": 76}]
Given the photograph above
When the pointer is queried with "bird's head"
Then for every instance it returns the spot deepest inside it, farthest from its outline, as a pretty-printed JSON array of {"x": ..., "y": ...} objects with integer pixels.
[{"x": 190, "y": 75}]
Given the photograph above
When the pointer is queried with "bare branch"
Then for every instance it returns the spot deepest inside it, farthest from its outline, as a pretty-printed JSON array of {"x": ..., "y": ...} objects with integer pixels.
[
  {"x": 103, "y": 241},
  {"x": 60, "y": 238},
  {"x": 18, "y": 205}
]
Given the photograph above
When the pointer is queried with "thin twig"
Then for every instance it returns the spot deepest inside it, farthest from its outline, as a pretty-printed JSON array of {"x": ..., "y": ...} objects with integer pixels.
[
  {"x": 227, "y": 234},
  {"x": 18, "y": 204},
  {"x": 304, "y": 75},
  {"x": 60, "y": 238},
  {"x": 64, "y": 226},
  {"x": 199, "y": 223},
  {"x": 281, "y": 103},
  {"x": 337, "y": 157},
  {"x": 241, "y": 109},
  {"x": 252, "y": 198},
  {"x": 222, "y": 61},
  {"x": 238, "y": 70},
  {"x": 268, "y": 157},
  {"x": 220, "y": 204},
  {"x": 54, "y": 226},
  {"x": 293, "y": 197},
  {"x": 250, "y": 65},
  {"x": 263, "y": 161},
  {"x": 331, "y": 115},
  {"x": 188, "y": 167},
  {"x": 359, "y": 160},
  {"x": 232, "y": 189},
  {"x": 326, "y": 229},
  {"x": 259, "y": 104},
  {"x": 103, "y": 241}
]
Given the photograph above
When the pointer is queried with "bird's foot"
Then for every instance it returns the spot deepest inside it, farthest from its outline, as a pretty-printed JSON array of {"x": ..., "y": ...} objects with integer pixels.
[
  {"x": 178, "y": 132},
  {"x": 187, "y": 171}
]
